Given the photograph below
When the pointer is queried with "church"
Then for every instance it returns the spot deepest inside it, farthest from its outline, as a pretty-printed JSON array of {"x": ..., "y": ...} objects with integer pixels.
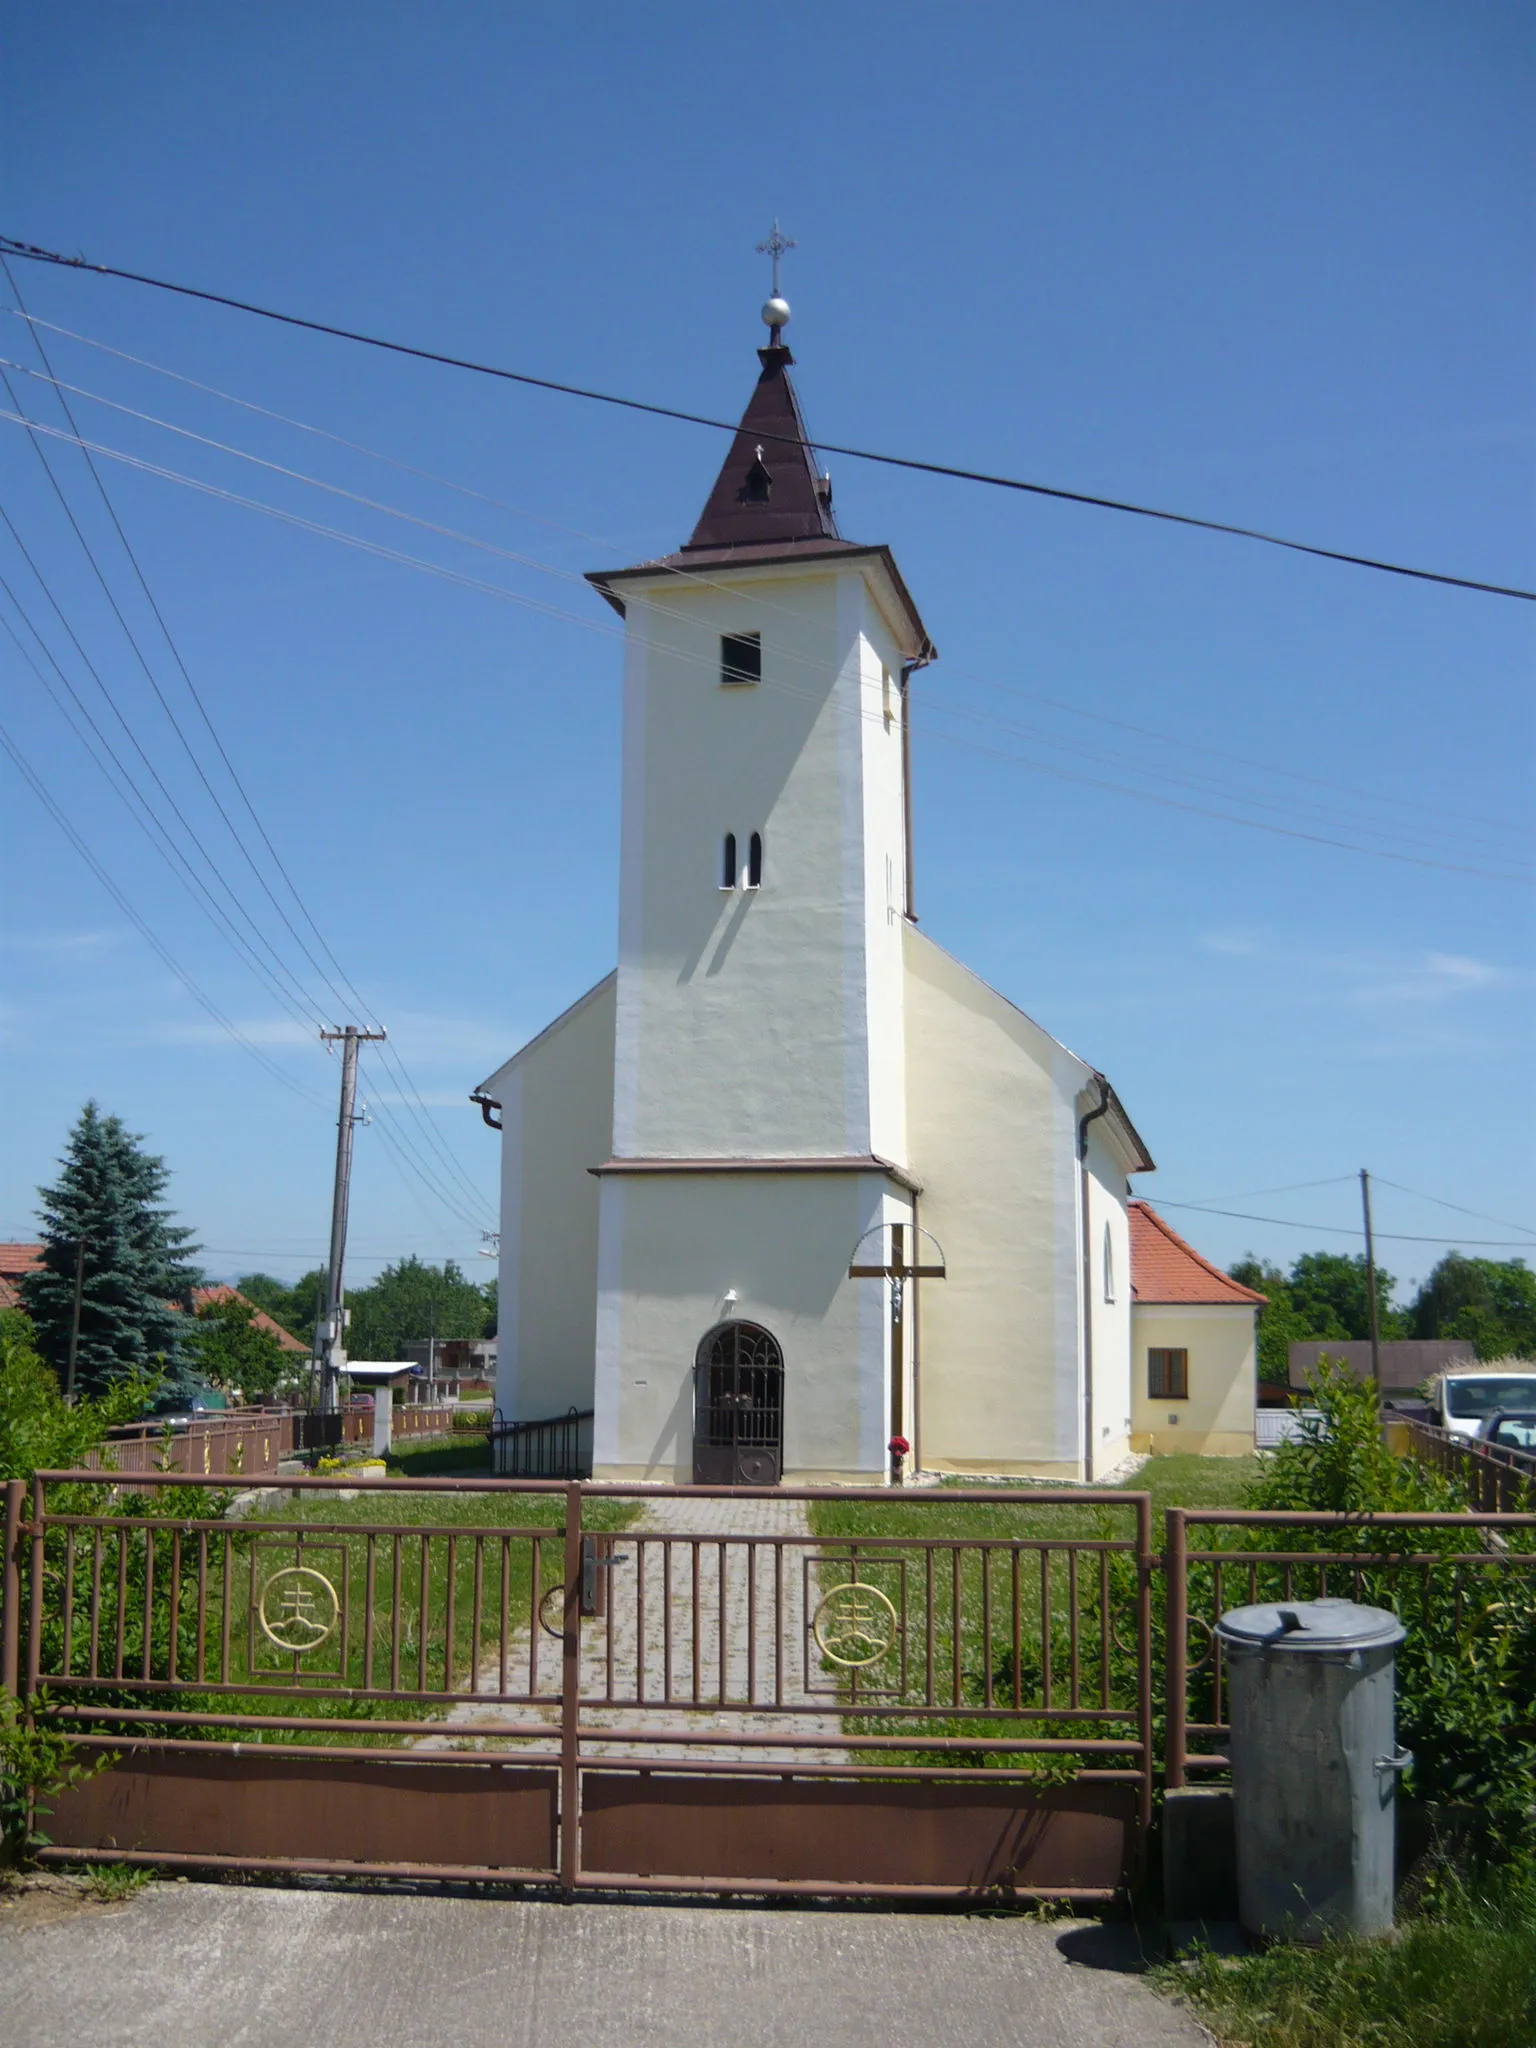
[{"x": 793, "y": 1195}]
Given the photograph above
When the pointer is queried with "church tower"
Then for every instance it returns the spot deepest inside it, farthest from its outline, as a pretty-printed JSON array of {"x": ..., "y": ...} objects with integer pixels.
[
  {"x": 759, "y": 1088},
  {"x": 728, "y": 1170}
]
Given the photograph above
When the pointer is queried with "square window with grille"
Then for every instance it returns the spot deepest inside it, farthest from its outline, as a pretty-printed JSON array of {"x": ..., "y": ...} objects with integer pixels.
[
  {"x": 741, "y": 659},
  {"x": 1168, "y": 1375}
]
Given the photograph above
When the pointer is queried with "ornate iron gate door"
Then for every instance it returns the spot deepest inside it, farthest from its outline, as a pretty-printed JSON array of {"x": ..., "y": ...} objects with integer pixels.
[
  {"x": 669, "y": 1688},
  {"x": 738, "y": 1407}
]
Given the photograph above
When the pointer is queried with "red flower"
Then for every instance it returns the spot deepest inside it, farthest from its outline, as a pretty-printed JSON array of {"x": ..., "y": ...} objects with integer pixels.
[{"x": 898, "y": 1446}]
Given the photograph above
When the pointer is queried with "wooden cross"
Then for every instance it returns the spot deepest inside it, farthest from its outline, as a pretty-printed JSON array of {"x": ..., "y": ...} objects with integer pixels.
[{"x": 899, "y": 1270}]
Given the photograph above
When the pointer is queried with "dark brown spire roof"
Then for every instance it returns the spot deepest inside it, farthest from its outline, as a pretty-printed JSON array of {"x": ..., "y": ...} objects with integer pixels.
[{"x": 768, "y": 489}]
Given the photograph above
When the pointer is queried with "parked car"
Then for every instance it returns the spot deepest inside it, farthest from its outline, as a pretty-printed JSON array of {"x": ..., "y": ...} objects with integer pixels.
[
  {"x": 183, "y": 1408},
  {"x": 1512, "y": 1429},
  {"x": 1463, "y": 1401}
]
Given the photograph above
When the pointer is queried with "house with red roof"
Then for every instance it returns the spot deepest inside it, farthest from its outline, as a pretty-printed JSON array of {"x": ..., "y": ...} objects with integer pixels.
[
  {"x": 16, "y": 1260},
  {"x": 1194, "y": 1357}
]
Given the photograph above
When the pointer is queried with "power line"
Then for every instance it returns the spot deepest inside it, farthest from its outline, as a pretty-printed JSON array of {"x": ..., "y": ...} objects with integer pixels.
[
  {"x": 142, "y": 811},
  {"x": 225, "y": 1024},
  {"x": 508, "y": 596},
  {"x": 1196, "y": 782},
  {"x": 407, "y": 1082},
  {"x": 700, "y": 579},
  {"x": 33, "y": 254},
  {"x": 1419, "y": 1196},
  {"x": 1339, "y": 1230}
]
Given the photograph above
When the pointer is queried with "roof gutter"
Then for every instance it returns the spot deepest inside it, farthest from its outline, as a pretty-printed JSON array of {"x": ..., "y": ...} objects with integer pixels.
[
  {"x": 487, "y": 1104},
  {"x": 1101, "y": 1108}
]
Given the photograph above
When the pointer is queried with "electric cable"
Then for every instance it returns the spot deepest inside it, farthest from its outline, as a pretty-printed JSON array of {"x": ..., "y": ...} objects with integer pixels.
[
  {"x": 32, "y": 253},
  {"x": 1419, "y": 1196},
  {"x": 225, "y": 1024},
  {"x": 1342, "y": 1230},
  {"x": 1194, "y": 781},
  {"x": 506, "y": 595},
  {"x": 703, "y": 580}
]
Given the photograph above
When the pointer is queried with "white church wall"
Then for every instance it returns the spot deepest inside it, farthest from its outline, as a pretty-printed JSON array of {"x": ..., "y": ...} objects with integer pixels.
[
  {"x": 1109, "y": 1306},
  {"x": 743, "y": 1014},
  {"x": 673, "y": 1247},
  {"x": 1217, "y": 1418},
  {"x": 992, "y": 1142},
  {"x": 875, "y": 842},
  {"x": 557, "y": 1113}
]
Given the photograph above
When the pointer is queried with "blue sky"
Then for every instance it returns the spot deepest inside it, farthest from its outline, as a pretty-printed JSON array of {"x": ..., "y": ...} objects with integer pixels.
[{"x": 1268, "y": 265}]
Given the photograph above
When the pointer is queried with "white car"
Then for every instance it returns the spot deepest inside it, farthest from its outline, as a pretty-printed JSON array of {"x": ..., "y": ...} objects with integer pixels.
[{"x": 1463, "y": 1401}]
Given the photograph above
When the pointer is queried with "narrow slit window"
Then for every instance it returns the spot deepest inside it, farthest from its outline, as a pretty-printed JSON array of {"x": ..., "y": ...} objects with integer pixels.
[
  {"x": 728, "y": 868},
  {"x": 1168, "y": 1375},
  {"x": 755, "y": 861},
  {"x": 741, "y": 660},
  {"x": 1109, "y": 1265}
]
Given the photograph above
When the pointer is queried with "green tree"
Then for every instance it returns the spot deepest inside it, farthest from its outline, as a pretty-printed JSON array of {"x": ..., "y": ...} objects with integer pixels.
[
  {"x": 1280, "y": 1324},
  {"x": 38, "y": 1432},
  {"x": 410, "y": 1301},
  {"x": 1329, "y": 1292},
  {"x": 137, "y": 1262},
  {"x": 1491, "y": 1301},
  {"x": 231, "y": 1351},
  {"x": 297, "y": 1307}
]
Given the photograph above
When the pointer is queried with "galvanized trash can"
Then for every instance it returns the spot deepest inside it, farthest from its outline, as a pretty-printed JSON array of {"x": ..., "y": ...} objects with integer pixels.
[{"x": 1315, "y": 1765}]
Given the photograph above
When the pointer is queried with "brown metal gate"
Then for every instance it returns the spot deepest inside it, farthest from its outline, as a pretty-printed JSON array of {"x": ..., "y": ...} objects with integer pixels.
[{"x": 593, "y": 1686}]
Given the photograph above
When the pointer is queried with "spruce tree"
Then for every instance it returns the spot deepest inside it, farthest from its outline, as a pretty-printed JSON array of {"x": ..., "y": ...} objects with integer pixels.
[{"x": 138, "y": 1274}]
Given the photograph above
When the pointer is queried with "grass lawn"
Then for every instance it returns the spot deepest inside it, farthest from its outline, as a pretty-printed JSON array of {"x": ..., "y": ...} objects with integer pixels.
[{"x": 1462, "y": 1977}]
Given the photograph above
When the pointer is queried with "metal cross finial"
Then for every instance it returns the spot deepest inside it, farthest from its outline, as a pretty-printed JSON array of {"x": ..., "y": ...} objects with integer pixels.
[{"x": 775, "y": 246}]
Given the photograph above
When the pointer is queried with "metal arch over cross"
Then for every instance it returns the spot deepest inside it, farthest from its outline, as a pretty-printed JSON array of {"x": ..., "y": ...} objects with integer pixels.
[
  {"x": 898, "y": 1270},
  {"x": 775, "y": 246}
]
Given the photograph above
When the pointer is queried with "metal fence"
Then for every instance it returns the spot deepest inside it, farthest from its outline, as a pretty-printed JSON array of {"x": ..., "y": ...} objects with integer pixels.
[
  {"x": 231, "y": 1443},
  {"x": 594, "y": 1686},
  {"x": 1498, "y": 1480},
  {"x": 408, "y": 1419},
  {"x": 558, "y": 1447},
  {"x": 1421, "y": 1566}
]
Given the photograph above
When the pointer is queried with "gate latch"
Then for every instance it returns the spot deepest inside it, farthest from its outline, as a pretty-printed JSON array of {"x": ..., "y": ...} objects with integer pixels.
[{"x": 595, "y": 1559}]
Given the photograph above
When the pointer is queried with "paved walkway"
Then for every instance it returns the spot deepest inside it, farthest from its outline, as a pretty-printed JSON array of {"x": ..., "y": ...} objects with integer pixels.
[
  {"x": 676, "y": 1642},
  {"x": 213, "y": 1966}
]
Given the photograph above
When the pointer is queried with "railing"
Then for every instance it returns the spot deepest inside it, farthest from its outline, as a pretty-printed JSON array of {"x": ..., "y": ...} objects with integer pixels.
[
  {"x": 1422, "y": 1567},
  {"x": 411, "y": 1420},
  {"x": 231, "y": 1443},
  {"x": 661, "y": 1688},
  {"x": 557, "y": 1447},
  {"x": 1498, "y": 1479}
]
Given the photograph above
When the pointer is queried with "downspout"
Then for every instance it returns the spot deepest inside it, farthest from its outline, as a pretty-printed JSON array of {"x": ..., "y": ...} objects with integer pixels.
[
  {"x": 487, "y": 1104},
  {"x": 1083, "y": 1183}
]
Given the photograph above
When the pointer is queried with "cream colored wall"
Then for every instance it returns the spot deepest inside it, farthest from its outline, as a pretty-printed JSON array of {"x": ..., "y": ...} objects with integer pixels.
[
  {"x": 744, "y": 1016},
  {"x": 991, "y": 1131},
  {"x": 557, "y": 1114},
  {"x": 673, "y": 1247},
  {"x": 1217, "y": 1419}
]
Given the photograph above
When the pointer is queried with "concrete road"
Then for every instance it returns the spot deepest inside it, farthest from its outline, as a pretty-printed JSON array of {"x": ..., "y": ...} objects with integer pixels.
[{"x": 224, "y": 1966}]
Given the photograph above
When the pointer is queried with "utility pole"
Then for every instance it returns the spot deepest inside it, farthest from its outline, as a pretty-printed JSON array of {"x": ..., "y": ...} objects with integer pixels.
[
  {"x": 1370, "y": 1278},
  {"x": 333, "y": 1335},
  {"x": 74, "y": 1321}
]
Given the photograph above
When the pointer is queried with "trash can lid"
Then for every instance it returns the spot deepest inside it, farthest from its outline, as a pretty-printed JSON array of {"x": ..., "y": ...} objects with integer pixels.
[{"x": 1317, "y": 1625}]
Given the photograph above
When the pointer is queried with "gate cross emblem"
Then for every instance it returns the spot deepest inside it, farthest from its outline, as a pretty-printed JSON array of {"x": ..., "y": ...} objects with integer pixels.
[
  {"x": 855, "y": 1625},
  {"x": 299, "y": 1608}
]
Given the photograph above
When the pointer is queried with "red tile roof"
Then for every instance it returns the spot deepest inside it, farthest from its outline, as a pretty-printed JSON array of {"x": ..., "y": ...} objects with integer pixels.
[
  {"x": 1166, "y": 1269},
  {"x": 16, "y": 1259},
  {"x": 201, "y": 1296}
]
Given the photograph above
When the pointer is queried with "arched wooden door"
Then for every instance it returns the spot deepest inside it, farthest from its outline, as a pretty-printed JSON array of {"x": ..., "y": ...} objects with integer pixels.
[{"x": 738, "y": 1408}]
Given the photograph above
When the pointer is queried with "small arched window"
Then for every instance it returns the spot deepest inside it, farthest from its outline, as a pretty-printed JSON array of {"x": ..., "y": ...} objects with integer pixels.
[
  {"x": 728, "y": 868},
  {"x": 1109, "y": 1265},
  {"x": 755, "y": 861}
]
